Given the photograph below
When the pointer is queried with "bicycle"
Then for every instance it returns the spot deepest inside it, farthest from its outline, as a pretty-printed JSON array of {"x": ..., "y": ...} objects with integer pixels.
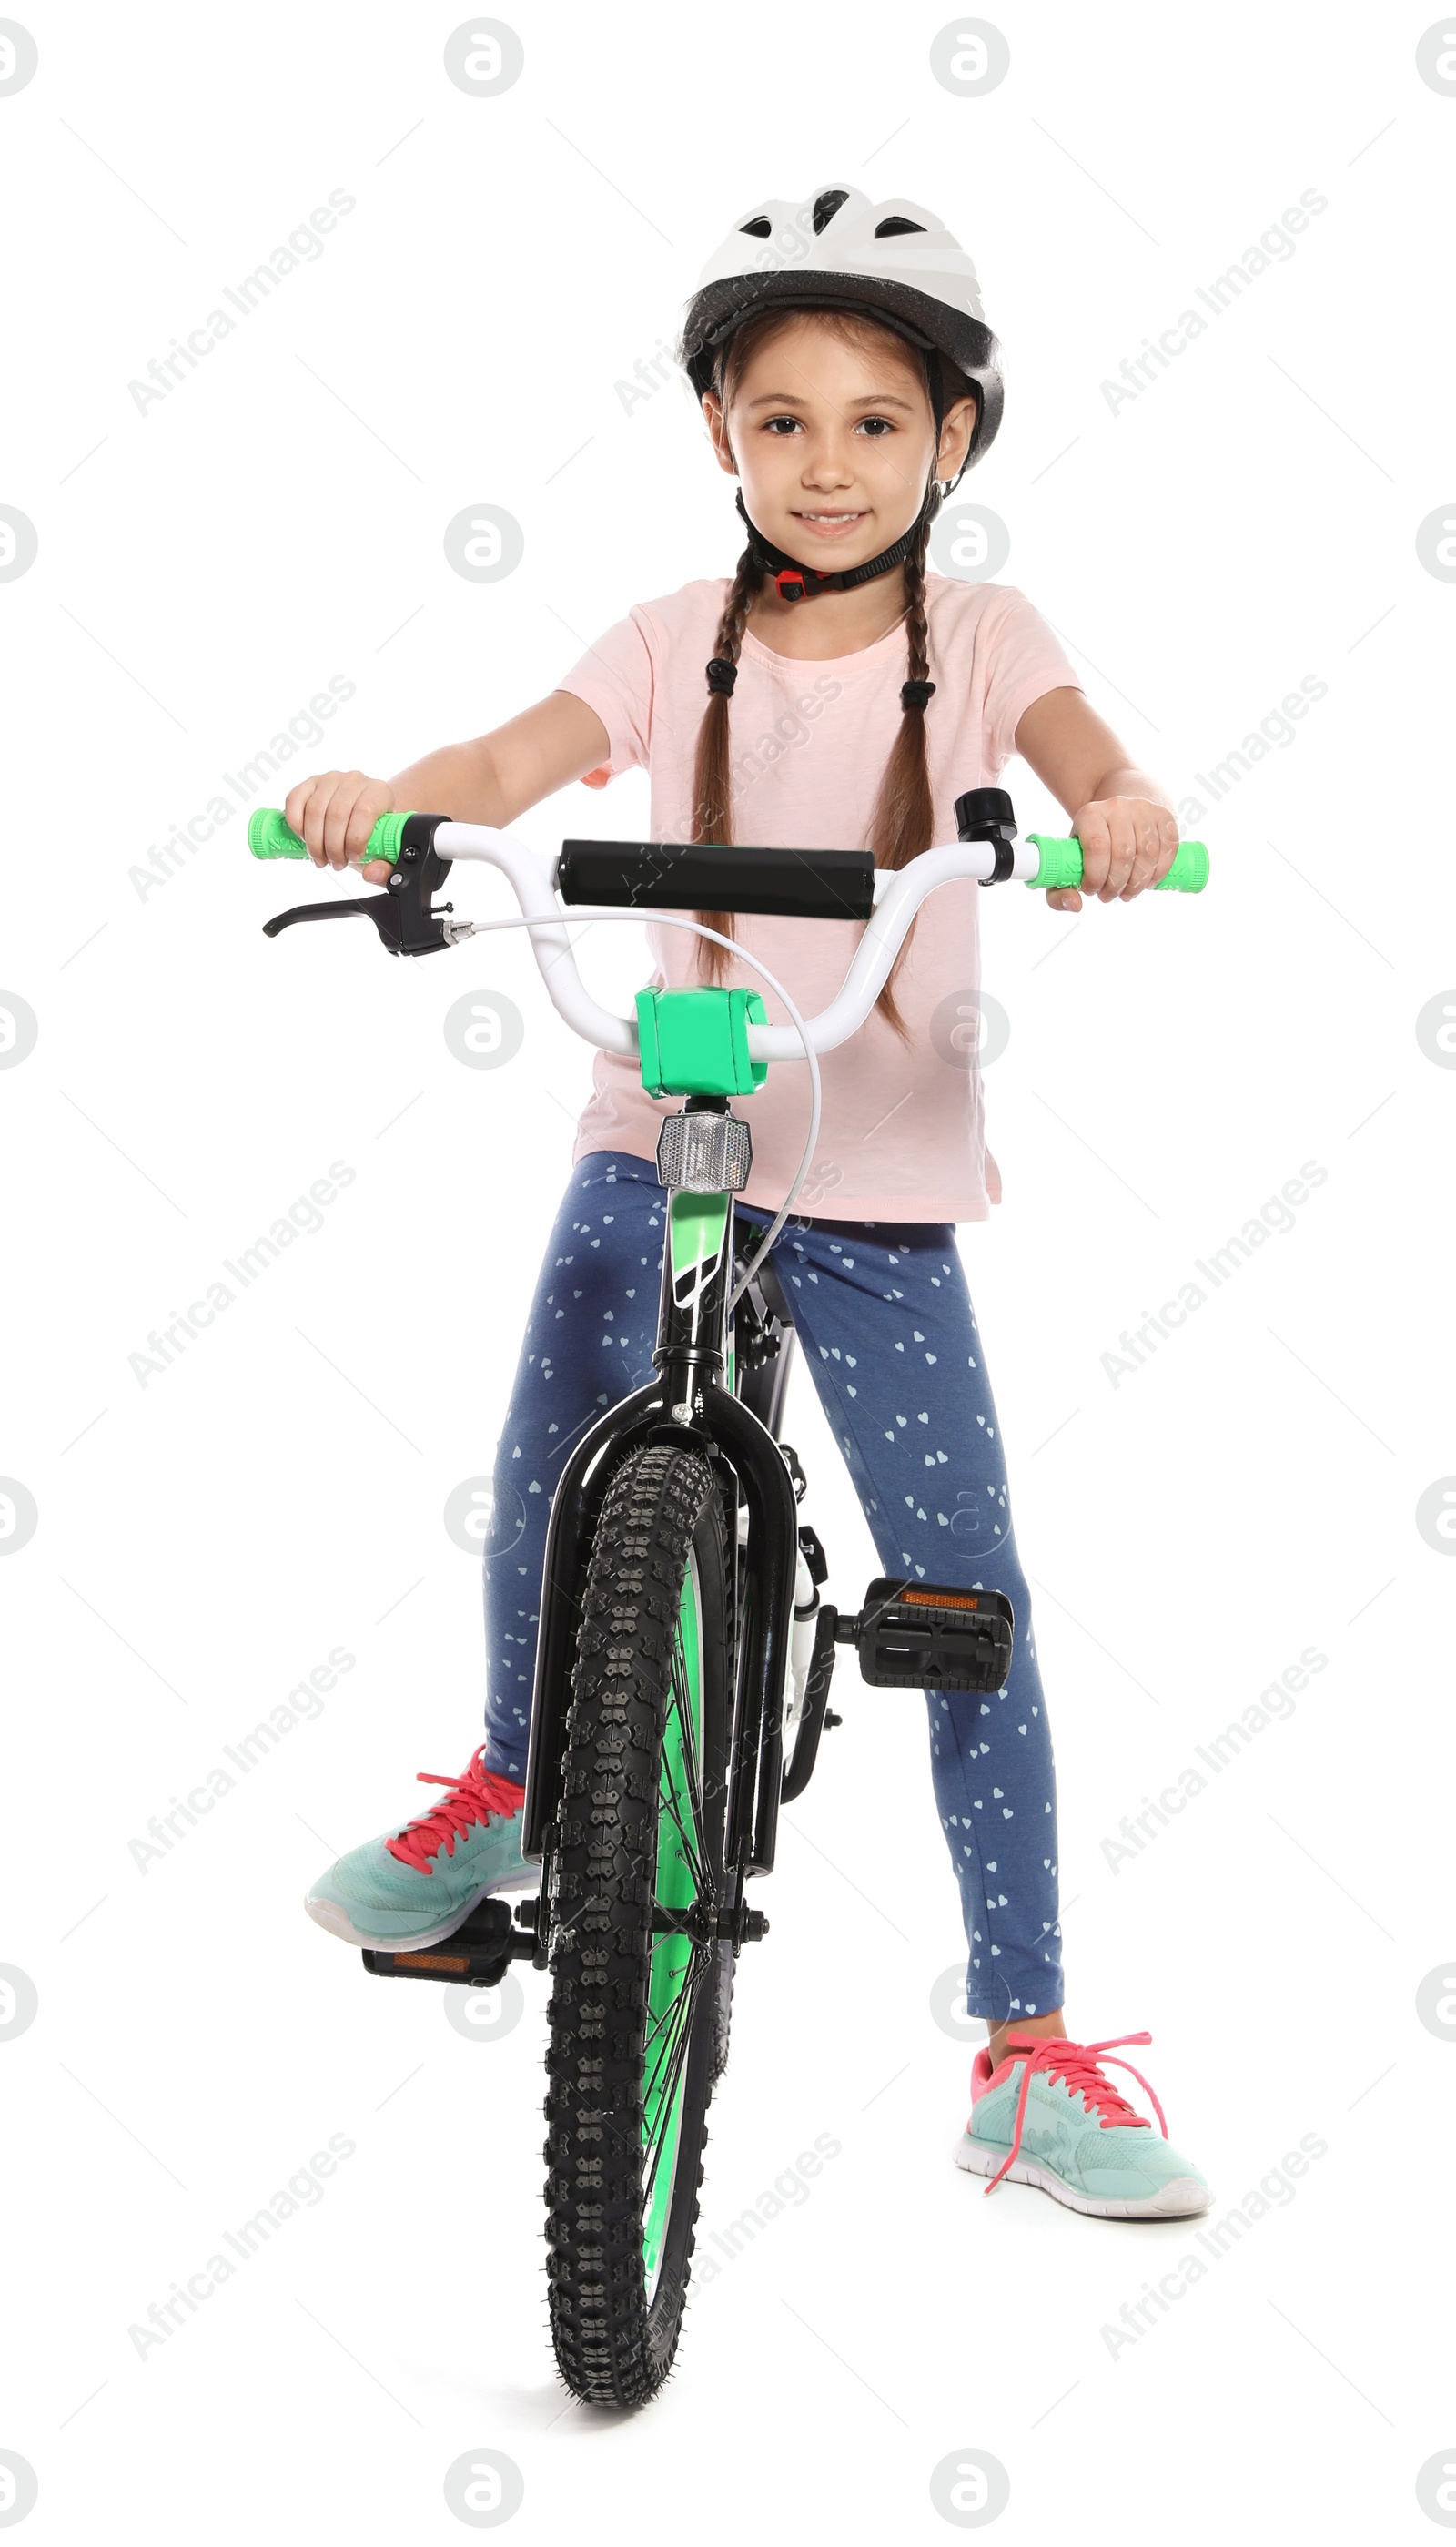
[{"x": 684, "y": 1655}]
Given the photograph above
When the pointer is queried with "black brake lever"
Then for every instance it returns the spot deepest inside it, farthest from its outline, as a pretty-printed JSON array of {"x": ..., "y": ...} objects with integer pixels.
[{"x": 403, "y": 911}]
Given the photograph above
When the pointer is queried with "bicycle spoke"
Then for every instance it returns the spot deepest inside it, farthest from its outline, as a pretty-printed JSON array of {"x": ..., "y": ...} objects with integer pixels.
[
  {"x": 678, "y": 2058},
  {"x": 672, "y": 1802},
  {"x": 691, "y": 1859},
  {"x": 662, "y": 2039},
  {"x": 685, "y": 1720},
  {"x": 664, "y": 2076},
  {"x": 659, "y": 2024},
  {"x": 687, "y": 1733}
]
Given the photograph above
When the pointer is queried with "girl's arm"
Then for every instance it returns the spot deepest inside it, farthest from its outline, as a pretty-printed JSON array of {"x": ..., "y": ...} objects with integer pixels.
[
  {"x": 1122, "y": 817},
  {"x": 490, "y": 780}
]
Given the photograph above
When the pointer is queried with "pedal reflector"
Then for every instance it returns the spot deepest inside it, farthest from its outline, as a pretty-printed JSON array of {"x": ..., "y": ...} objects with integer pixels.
[
  {"x": 925, "y": 1635},
  {"x": 478, "y": 1952}
]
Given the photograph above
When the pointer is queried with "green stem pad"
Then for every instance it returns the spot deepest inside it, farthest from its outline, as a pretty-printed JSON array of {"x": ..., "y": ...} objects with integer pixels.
[{"x": 695, "y": 1043}]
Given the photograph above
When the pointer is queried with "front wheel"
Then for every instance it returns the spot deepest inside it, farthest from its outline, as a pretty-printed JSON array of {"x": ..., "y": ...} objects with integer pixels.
[{"x": 635, "y": 1884}]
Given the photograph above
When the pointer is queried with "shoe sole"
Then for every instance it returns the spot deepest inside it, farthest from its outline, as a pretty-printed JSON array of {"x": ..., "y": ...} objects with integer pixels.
[
  {"x": 1179, "y": 2199},
  {"x": 330, "y": 1916}
]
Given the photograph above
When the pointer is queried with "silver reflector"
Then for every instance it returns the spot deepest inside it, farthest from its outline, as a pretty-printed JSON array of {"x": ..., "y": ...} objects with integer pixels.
[{"x": 703, "y": 1153}]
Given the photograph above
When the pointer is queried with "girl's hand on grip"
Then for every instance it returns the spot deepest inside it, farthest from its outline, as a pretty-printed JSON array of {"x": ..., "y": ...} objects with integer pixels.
[
  {"x": 1128, "y": 847},
  {"x": 335, "y": 813}
]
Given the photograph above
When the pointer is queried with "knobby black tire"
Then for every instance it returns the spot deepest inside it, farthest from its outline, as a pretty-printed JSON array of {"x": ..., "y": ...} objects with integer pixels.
[
  {"x": 723, "y": 2009},
  {"x": 614, "y": 2338}
]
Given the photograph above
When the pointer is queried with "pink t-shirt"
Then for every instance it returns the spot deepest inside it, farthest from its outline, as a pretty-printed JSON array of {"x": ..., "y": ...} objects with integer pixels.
[{"x": 902, "y": 1131}]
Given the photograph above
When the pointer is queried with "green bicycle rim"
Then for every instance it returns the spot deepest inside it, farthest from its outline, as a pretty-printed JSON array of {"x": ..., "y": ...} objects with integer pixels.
[{"x": 674, "y": 1978}]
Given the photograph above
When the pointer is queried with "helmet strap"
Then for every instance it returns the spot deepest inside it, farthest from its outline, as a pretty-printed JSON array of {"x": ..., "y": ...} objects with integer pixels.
[{"x": 798, "y": 583}]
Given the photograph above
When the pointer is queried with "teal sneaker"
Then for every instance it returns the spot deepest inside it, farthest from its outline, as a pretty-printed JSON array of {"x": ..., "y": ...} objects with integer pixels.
[
  {"x": 1066, "y": 2128},
  {"x": 413, "y": 1887}
]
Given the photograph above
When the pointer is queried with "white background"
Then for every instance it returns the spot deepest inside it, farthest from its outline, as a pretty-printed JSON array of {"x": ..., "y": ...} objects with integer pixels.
[{"x": 204, "y": 568}]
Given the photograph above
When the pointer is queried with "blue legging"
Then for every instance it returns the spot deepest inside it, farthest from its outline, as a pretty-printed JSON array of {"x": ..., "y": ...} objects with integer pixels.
[{"x": 885, "y": 1321}]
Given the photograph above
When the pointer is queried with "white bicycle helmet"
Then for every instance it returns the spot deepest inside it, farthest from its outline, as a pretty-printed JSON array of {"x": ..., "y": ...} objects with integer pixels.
[{"x": 895, "y": 261}]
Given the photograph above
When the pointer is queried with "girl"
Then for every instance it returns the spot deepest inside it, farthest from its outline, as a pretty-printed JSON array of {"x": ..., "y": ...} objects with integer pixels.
[{"x": 846, "y": 391}]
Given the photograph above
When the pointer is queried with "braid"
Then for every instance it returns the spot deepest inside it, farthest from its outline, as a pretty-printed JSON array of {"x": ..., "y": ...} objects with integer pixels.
[
  {"x": 904, "y": 820},
  {"x": 711, "y": 783},
  {"x": 917, "y": 635}
]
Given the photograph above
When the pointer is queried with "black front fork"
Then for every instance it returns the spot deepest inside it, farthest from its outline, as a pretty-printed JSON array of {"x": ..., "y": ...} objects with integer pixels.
[{"x": 688, "y": 1405}]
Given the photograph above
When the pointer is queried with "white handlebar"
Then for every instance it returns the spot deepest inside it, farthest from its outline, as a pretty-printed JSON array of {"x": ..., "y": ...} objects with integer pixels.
[{"x": 897, "y": 898}]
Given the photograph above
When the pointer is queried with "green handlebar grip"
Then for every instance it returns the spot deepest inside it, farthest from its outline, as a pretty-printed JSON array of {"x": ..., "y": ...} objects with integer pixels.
[
  {"x": 270, "y": 836},
  {"x": 1062, "y": 865}
]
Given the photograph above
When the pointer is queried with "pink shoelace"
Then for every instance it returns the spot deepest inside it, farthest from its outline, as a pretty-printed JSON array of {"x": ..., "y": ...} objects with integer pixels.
[
  {"x": 475, "y": 1794},
  {"x": 1077, "y": 2065}
]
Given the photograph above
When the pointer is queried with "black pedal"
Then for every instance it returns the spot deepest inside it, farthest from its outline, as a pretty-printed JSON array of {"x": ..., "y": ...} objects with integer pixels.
[
  {"x": 924, "y": 1636},
  {"x": 481, "y": 1951}
]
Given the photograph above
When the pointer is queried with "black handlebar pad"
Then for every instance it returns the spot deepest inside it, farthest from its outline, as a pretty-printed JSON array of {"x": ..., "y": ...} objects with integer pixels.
[{"x": 660, "y": 875}]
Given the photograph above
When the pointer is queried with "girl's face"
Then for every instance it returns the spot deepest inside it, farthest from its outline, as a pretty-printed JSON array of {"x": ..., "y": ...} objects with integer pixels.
[{"x": 833, "y": 439}]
